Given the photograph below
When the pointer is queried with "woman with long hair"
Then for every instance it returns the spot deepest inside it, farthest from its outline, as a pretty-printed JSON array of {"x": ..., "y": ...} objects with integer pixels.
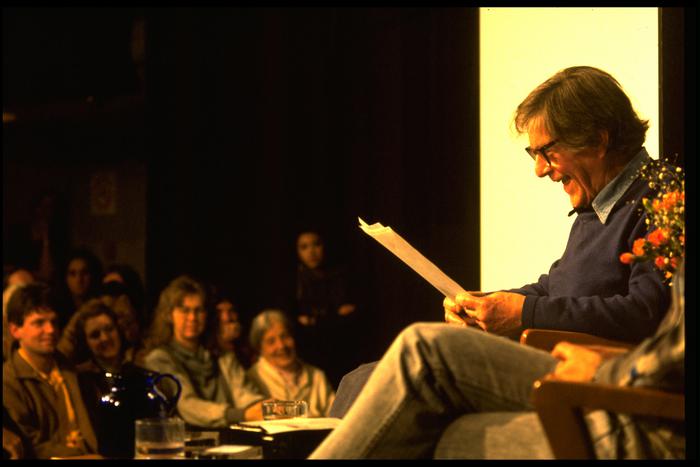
[{"x": 215, "y": 390}]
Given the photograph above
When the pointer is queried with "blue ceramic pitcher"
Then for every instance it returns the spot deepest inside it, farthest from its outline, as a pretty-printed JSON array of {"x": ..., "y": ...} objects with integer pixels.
[{"x": 127, "y": 396}]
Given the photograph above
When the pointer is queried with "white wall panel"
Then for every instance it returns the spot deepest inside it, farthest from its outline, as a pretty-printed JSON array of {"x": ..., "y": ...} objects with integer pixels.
[{"x": 524, "y": 223}]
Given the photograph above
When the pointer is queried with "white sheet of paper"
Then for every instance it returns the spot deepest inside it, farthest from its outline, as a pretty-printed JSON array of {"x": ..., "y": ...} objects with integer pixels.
[
  {"x": 230, "y": 449},
  {"x": 412, "y": 257},
  {"x": 295, "y": 424}
]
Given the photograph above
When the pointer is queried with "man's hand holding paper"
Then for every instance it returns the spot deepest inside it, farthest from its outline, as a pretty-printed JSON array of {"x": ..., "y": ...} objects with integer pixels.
[
  {"x": 455, "y": 314},
  {"x": 497, "y": 312}
]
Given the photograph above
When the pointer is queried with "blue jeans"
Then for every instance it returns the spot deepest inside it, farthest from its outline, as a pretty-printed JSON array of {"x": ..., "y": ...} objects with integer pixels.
[
  {"x": 432, "y": 374},
  {"x": 350, "y": 387}
]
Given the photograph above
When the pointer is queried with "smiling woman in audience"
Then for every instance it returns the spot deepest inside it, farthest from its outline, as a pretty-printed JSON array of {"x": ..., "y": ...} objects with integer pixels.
[{"x": 279, "y": 372}]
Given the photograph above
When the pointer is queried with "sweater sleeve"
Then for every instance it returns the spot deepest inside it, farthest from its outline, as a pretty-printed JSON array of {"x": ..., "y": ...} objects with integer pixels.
[
  {"x": 630, "y": 317},
  {"x": 539, "y": 288},
  {"x": 244, "y": 392},
  {"x": 193, "y": 409}
]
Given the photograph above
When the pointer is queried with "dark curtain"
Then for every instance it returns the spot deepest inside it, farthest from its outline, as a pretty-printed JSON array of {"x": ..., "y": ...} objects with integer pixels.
[{"x": 266, "y": 120}]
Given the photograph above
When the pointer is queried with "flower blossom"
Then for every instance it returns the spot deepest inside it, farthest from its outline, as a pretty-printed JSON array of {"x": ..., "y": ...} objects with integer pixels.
[
  {"x": 664, "y": 245},
  {"x": 670, "y": 200},
  {"x": 627, "y": 258},
  {"x": 660, "y": 262},
  {"x": 658, "y": 237},
  {"x": 674, "y": 262}
]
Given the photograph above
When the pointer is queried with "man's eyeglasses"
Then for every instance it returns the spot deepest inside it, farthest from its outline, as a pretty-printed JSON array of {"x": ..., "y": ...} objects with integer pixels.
[{"x": 542, "y": 151}]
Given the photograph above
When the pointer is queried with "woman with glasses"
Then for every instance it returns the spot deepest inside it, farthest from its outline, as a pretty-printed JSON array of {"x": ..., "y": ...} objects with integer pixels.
[{"x": 215, "y": 391}]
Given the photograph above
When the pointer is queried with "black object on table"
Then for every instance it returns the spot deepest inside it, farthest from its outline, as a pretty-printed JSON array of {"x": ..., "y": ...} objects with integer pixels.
[{"x": 298, "y": 444}]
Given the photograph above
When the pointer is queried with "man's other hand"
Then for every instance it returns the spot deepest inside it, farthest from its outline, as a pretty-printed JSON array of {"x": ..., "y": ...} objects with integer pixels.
[{"x": 578, "y": 363}]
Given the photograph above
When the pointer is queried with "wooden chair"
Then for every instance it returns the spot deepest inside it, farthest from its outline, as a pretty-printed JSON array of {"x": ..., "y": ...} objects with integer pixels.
[
  {"x": 546, "y": 339},
  {"x": 561, "y": 405}
]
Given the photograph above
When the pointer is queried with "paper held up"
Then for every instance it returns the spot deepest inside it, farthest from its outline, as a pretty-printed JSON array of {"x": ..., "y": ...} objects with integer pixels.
[{"x": 413, "y": 258}]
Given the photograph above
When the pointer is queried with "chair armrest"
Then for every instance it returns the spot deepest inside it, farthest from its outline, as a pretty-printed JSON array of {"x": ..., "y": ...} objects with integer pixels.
[
  {"x": 621, "y": 399},
  {"x": 546, "y": 339},
  {"x": 561, "y": 405}
]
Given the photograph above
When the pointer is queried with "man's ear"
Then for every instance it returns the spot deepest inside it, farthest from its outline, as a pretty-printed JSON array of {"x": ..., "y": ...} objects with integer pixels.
[{"x": 15, "y": 331}]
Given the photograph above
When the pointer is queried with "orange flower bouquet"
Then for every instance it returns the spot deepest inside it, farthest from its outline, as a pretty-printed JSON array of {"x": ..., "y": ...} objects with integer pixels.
[{"x": 665, "y": 242}]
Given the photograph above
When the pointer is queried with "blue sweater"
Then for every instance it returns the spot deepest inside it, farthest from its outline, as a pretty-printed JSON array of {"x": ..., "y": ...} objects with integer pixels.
[{"x": 589, "y": 290}]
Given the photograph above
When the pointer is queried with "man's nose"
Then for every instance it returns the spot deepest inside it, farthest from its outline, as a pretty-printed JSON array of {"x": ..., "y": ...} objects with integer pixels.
[{"x": 542, "y": 169}]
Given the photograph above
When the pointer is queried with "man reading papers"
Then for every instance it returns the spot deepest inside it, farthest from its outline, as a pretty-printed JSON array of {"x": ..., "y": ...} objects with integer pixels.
[{"x": 584, "y": 134}]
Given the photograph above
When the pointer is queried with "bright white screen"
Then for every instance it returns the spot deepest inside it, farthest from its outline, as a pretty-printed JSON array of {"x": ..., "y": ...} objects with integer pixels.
[{"x": 524, "y": 223}]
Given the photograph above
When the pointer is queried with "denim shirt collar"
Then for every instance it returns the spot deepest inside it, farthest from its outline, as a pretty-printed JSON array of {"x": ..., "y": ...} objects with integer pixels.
[{"x": 613, "y": 191}]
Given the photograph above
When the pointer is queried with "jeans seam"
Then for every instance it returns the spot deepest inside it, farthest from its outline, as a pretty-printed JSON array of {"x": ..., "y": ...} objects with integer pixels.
[{"x": 371, "y": 443}]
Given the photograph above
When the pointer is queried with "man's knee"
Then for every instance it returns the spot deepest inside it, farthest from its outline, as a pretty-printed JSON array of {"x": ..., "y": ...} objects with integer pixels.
[{"x": 431, "y": 333}]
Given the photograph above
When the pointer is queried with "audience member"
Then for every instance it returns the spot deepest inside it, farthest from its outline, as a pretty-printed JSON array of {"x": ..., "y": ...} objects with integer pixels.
[
  {"x": 133, "y": 285},
  {"x": 106, "y": 368},
  {"x": 15, "y": 279},
  {"x": 115, "y": 295},
  {"x": 81, "y": 278},
  {"x": 228, "y": 333},
  {"x": 325, "y": 309},
  {"x": 128, "y": 329},
  {"x": 40, "y": 387},
  {"x": 94, "y": 337},
  {"x": 279, "y": 372},
  {"x": 215, "y": 391},
  {"x": 19, "y": 276}
]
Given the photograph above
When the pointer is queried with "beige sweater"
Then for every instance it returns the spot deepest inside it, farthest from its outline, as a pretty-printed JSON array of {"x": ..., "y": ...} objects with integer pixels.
[{"x": 215, "y": 392}]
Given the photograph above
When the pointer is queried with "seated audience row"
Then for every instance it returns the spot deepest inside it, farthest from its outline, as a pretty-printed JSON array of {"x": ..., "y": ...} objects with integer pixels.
[{"x": 199, "y": 346}]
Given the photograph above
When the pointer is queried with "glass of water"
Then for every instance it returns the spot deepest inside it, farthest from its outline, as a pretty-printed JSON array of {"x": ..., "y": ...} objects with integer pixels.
[
  {"x": 159, "y": 438},
  {"x": 273, "y": 410}
]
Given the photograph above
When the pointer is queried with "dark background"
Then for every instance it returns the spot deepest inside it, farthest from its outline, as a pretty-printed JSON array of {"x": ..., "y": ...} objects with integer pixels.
[{"x": 252, "y": 123}]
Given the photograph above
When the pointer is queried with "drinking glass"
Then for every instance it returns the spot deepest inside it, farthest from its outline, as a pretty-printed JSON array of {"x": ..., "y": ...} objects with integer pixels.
[
  {"x": 277, "y": 409},
  {"x": 159, "y": 438}
]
